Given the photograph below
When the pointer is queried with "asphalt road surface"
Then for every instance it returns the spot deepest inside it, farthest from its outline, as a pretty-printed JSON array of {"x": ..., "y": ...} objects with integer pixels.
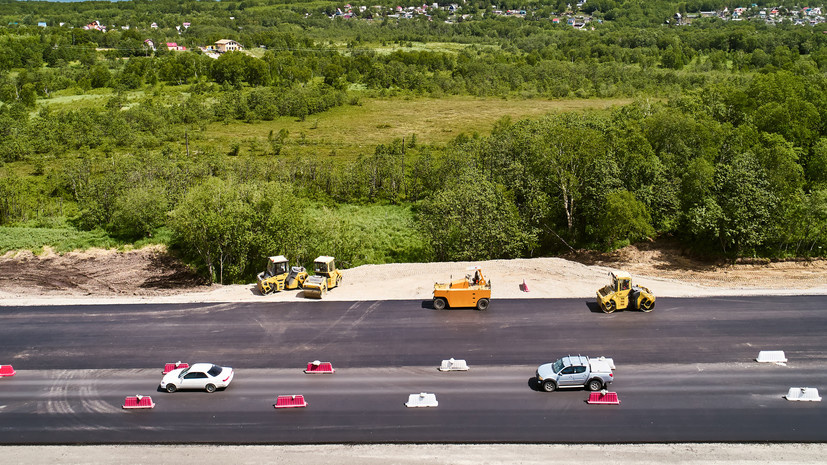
[{"x": 685, "y": 372}]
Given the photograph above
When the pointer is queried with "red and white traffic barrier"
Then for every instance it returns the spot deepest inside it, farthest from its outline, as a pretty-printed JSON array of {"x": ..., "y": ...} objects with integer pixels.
[
  {"x": 291, "y": 401},
  {"x": 603, "y": 398},
  {"x": 7, "y": 371},
  {"x": 174, "y": 366},
  {"x": 317, "y": 367},
  {"x": 133, "y": 402}
]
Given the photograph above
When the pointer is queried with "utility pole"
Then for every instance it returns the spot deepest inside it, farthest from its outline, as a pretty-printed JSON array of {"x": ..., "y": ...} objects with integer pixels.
[{"x": 403, "y": 168}]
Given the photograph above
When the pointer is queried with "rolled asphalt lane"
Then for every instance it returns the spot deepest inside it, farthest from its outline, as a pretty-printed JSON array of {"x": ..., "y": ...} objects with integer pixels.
[{"x": 685, "y": 372}]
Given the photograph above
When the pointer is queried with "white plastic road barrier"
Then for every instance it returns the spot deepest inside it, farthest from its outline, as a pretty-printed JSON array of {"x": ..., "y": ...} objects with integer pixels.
[
  {"x": 771, "y": 356},
  {"x": 453, "y": 365},
  {"x": 600, "y": 363},
  {"x": 423, "y": 399},
  {"x": 803, "y": 394}
]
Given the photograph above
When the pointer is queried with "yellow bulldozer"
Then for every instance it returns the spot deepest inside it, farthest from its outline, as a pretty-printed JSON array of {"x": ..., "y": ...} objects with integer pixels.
[
  {"x": 621, "y": 294},
  {"x": 280, "y": 276},
  {"x": 474, "y": 290},
  {"x": 326, "y": 277}
]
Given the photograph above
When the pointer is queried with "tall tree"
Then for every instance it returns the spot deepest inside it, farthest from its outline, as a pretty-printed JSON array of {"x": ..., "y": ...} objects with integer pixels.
[
  {"x": 214, "y": 223},
  {"x": 473, "y": 219}
]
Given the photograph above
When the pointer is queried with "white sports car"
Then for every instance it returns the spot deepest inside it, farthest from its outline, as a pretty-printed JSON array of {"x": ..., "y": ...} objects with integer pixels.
[{"x": 204, "y": 376}]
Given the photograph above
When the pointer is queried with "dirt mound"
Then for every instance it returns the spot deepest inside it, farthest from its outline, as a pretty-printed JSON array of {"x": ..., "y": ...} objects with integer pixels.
[
  {"x": 148, "y": 271},
  {"x": 666, "y": 259}
]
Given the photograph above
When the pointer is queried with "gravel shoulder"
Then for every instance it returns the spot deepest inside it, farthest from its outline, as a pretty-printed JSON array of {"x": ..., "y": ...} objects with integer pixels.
[
  {"x": 432, "y": 454},
  {"x": 152, "y": 276}
]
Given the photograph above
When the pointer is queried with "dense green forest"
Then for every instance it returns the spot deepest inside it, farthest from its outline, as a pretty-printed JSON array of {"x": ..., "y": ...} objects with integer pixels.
[{"x": 104, "y": 141}]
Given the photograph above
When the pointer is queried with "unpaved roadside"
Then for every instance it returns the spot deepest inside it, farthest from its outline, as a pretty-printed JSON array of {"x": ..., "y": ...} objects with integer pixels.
[
  {"x": 430, "y": 454},
  {"x": 152, "y": 275}
]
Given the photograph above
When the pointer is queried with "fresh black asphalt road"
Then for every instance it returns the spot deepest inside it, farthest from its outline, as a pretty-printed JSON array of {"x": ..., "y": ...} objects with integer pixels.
[{"x": 685, "y": 372}]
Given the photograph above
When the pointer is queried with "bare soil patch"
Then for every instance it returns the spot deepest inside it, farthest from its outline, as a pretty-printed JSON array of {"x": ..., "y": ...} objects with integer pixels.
[
  {"x": 666, "y": 259},
  {"x": 154, "y": 275},
  {"x": 149, "y": 271}
]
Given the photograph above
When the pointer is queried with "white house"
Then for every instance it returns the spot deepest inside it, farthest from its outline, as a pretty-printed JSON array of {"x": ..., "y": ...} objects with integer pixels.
[{"x": 228, "y": 45}]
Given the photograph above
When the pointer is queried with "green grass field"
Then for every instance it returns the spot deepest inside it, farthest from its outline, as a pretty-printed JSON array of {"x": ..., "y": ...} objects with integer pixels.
[
  {"x": 443, "y": 47},
  {"x": 351, "y": 130},
  {"x": 368, "y": 234},
  {"x": 59, "y": 239}
]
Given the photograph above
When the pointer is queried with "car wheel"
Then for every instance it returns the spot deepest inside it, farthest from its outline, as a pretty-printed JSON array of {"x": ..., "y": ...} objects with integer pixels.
[
  {"x": 609, "y": 307},
  {"x": 171, "y": 388},
  {"x": 210, "y": 387},
  {"x": 549, "y": 386},
  {"x": 647, "y": 305},
  {"x": 595, "y": 385},
  {"x": 439, "y": 303},
  {"x": 482, "y": 304}
]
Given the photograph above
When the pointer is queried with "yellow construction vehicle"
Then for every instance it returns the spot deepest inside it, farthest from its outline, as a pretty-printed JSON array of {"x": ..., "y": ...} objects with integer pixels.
[
  {"x": 279, "y": 276},
  {"x": 326, "y": 277},
  {"x": 471, "y": 291},
  {"x": 621, "y": 294}
]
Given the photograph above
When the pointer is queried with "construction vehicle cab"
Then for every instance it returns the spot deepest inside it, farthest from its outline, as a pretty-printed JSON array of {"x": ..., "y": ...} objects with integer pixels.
[
  {"x": 277, "y": 265},
  {"x": 474, "y": 290},
  {"x": 327, "y": 277},
  {"x": 622, "y": 294},
  {"x": 279, "y": 276}
]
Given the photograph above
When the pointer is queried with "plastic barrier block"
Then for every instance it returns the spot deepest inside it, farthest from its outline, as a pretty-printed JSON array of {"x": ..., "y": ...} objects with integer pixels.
[
  {"x": 138, "y": 402},
  {"x": 174, "y": 366},
  {"x": 292, "y": 401},
  {"x": 423, "y": 399},
  {"x": 771, "y": 356},
  {"x": 803, "y": 394},
  {"x": 603, "y": 398},
  {"x": 7, "y": 370},
  {"x": 453, "y": 365},
  {"x": 317, "y": 367}
]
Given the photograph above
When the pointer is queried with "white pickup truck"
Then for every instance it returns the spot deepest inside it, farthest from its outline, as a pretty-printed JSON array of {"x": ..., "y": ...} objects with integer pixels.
[{"x": 575, "y": 371}]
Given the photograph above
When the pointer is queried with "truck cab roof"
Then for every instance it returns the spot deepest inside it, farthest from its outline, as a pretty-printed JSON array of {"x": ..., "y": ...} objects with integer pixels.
[
  {"x": 620, "y": 275},
  {"x": 575, "y": 360}
]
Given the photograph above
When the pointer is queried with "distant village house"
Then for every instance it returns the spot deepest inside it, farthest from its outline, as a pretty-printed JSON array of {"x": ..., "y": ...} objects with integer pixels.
[
  {"x": 174, "y": 47},
  {"x": 227, "y": 45}
]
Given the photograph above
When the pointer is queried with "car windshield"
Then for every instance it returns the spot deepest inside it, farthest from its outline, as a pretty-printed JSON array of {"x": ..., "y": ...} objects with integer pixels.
[
  {"x": 557, "y": 366},
  {"x": 215, "y": 370},
  {"x": 186, "y": 370},
  {"x": 321, "y": 267}
]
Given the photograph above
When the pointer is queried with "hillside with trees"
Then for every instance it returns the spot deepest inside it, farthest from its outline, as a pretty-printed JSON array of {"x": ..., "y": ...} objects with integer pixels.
[{"x": 710, "y": 131}]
